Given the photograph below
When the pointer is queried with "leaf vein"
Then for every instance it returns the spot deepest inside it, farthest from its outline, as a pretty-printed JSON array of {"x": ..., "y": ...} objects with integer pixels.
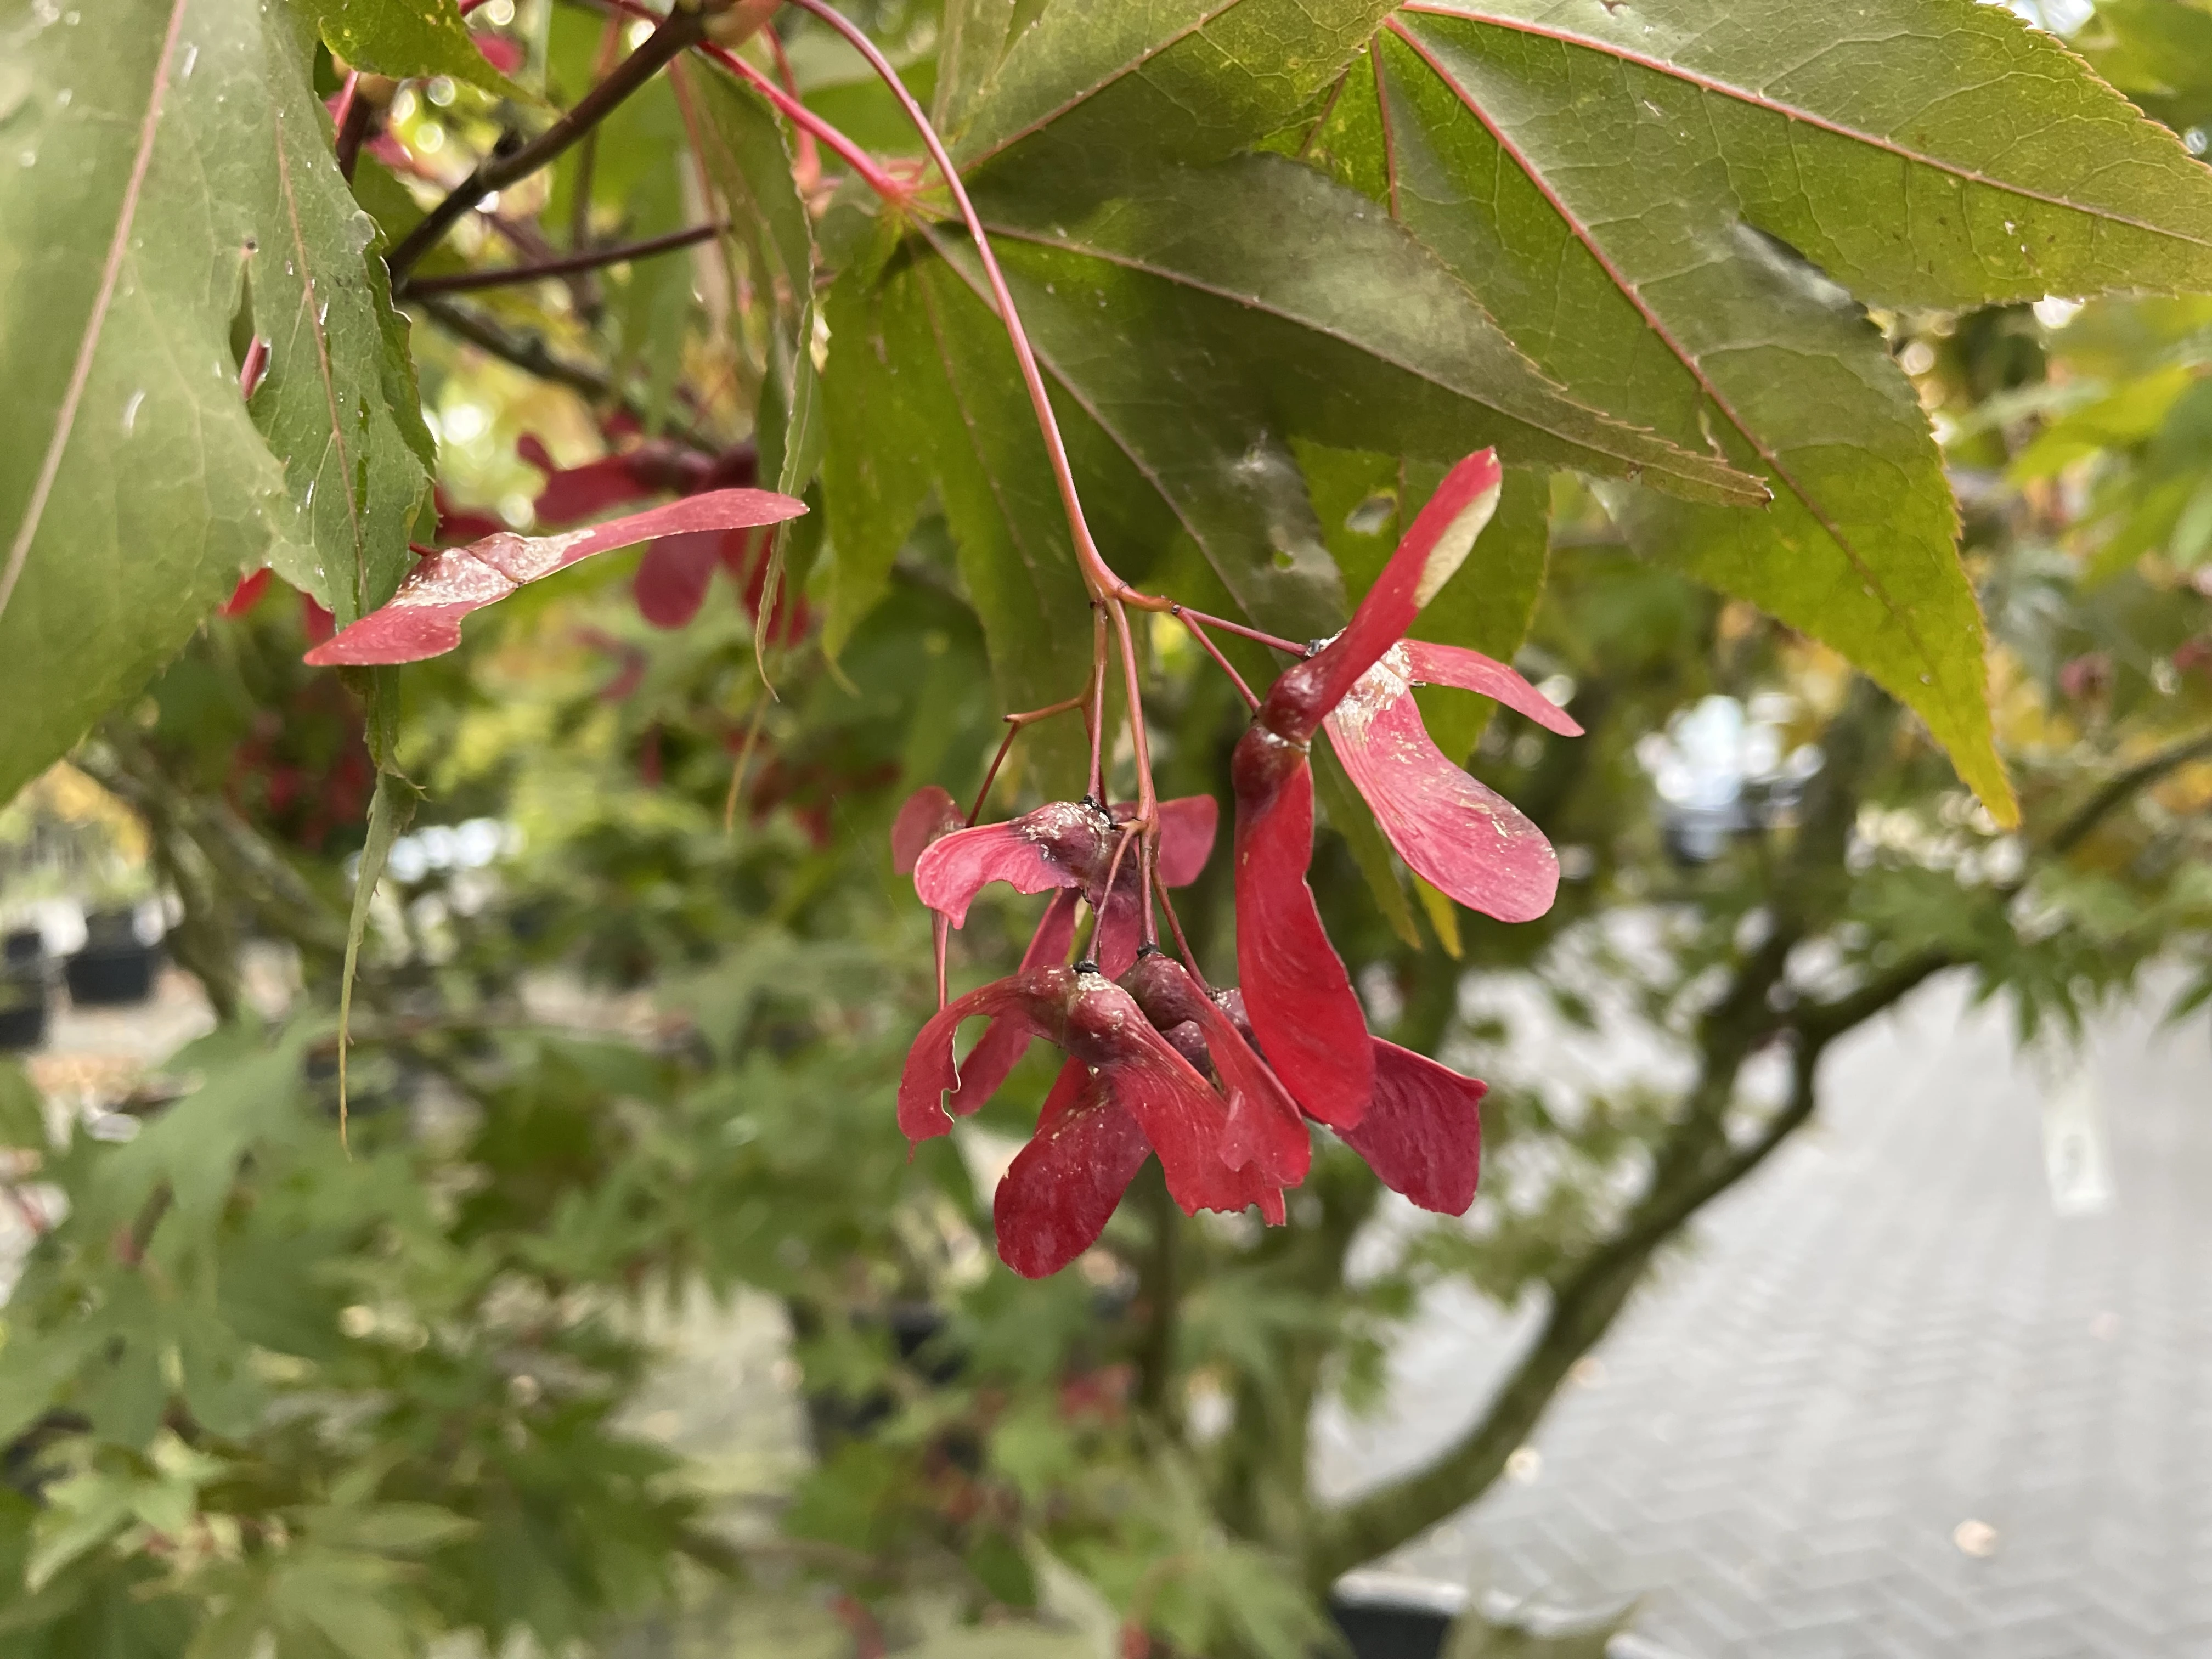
[
  {"x": 35, "y": 509},
  {"x": 1766, "y": 451},
  {"x": 1758, "y": 99}
]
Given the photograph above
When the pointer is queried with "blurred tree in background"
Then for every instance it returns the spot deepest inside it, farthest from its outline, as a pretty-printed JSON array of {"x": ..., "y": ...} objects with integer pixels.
[{"x": 635, "y": 977}]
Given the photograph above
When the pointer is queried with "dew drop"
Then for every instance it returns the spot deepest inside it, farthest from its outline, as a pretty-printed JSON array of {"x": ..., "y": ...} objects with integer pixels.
[
  {"x": 192, "y": 61},
  {"x": 309, "y": 500},
  {"x": 322, "y": 314},
  {"x": 289, "y": 271},
  {"x": 131, "y": 410}
]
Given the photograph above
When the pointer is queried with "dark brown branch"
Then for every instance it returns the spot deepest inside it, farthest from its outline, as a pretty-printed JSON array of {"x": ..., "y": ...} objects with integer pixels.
[
  {"x": 679, "y": 30},
  {"x": 1584, "y": 1303},
  {"x": 567, "y": 265},
  {"x": 532, "y": 246},
  {"x": 1693, "y": 1166},
  {"x": 533, "y": 357},
  {"x": 2144, "y": 772},
  {"x": 1820, "y": 1023}
]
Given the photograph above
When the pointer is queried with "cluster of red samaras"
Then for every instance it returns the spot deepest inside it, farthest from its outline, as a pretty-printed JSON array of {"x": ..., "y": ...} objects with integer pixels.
[{"x": 1220, "y": 1083}]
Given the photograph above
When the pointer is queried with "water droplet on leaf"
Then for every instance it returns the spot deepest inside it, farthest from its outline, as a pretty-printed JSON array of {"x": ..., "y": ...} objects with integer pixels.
[
  {"x": 131, "y": 410},
  {"x": 192, "y": 59}
]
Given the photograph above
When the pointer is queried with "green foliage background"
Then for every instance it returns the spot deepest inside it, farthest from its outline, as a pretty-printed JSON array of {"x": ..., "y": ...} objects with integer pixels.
[{"x": 1280, "y": 263}]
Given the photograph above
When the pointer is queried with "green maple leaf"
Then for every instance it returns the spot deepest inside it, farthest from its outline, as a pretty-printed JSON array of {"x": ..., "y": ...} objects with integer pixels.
[
  {"x": 172, "y": 191},
  {"x": 1264, "y": 305},
  {"x": 405, "y": 38},
  {"x": 1677, "y": 211}
]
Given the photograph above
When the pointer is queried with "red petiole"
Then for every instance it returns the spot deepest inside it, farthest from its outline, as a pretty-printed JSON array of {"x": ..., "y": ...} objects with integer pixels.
[
  {"x": 1219, "y": 661},
  {"x": 1015, "y": 725}
]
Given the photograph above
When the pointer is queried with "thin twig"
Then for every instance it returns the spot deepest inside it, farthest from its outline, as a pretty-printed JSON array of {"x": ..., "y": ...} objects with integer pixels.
[
  {"x": 1275, "y": 641},
  {"x": 1015, "y": 724},
  {"x": 1148, "y": 805},
  {"x": 1189, "y": 956},
  {"x": 565, "y": 264},
  {"x": 679, "y": 29},
  {"x": 788, "y": 102},
  {"x": 1094, "y": 717},
  {"x": 1219, "y": 661},
  {"x": 533, "y": 357},
  {"x": 2092, "y": 812},
  {"x": 587, "y": 156}
]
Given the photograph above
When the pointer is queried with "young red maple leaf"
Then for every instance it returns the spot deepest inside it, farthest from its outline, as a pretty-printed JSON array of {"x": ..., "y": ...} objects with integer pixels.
[
  {"x": 927, "y": 815},
  {"x": 1466, "y": 840},
  {"x": 676, "y": 572},
  {"x": 423, "y": 618},
  {"x": 1064, "y": 843},
  {"x": 654, "y": 467},
  {"x": 673, "y": 576},
  {"x": 1461, "y": 836},
  {"x": 462, "y": 523}
]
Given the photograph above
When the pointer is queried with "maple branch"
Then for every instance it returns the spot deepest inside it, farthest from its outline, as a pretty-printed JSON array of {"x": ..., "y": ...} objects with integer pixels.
[
  {"x": 533, "y": 357},
  {"x": 1693, "y": 1165},
  {"x": 2144, "y": 772},
  {"x": 591, "y": 259},
  {"x": 679, "y": 29}
]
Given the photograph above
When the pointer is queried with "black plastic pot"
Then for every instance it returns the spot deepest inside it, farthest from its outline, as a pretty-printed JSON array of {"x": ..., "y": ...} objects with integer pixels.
[
  {"x": 22, "y": 1022},
  {"x": 1395, "y": 1619},
  {"x": 915, "y": 1329},
  {"x": 111, "y": 976},
  {"x": 26, "y": 979},
  {"x": 1378, "y": 1631}
]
